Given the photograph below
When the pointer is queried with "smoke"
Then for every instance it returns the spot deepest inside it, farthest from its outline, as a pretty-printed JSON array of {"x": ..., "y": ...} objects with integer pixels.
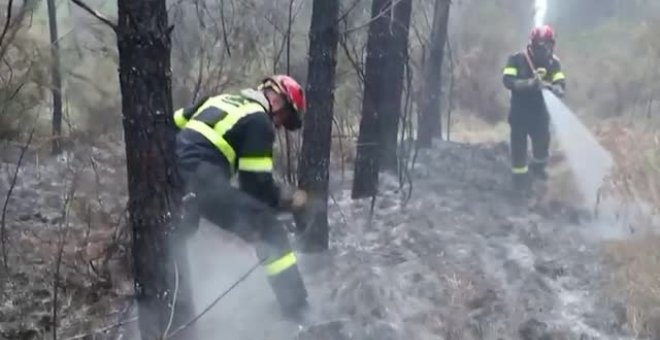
[{"x": 540, "y": 9}]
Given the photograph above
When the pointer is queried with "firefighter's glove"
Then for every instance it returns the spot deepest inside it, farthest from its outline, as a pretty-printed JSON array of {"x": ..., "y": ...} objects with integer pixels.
[
  {"x": 190, "y": 216},
  {"x": 299, "y": 200},
  {"x": 291, "y": 199},
  {"x": 540, "y": 73}
]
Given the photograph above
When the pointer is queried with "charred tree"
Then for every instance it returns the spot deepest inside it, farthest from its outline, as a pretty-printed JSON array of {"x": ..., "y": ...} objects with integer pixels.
[
  {"x": 56, "y": 79},
  {"x": 365, "y": 181},
  {"x": 396, "y": 58},
  {"x": 430, "y": 124},
  {"x": 154, "y": 187},
  {"x": 315, "y": 154}
]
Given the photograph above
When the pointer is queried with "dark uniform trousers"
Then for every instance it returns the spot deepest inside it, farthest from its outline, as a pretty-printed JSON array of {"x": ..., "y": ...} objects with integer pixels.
[
  {"x": 253, "y": 221},
  {"x": 534, "y": 125}
]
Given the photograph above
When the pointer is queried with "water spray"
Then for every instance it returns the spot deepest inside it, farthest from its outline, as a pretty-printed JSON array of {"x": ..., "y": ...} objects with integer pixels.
[
  {"x": 588, "y": 160},
  {"x": 540, "y": 10}
]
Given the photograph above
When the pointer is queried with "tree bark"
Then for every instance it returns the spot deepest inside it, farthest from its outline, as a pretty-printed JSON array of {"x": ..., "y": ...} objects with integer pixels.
[
  {"x": 430, "y": 123},
  {"x": 317, "y": 134},
  {"x": 154, "y": 187},
  {"x": 365, "y": 181},
  {"x": 56, "y": 79},
  {"x": 397, "y": 55}
]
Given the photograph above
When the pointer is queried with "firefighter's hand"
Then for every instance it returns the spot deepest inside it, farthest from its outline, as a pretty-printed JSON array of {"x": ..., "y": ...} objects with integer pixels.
[
  {"x": 540, "y": 73},
  {"x": 291, "y": 199},
  {"x": 299, "y": 200}
]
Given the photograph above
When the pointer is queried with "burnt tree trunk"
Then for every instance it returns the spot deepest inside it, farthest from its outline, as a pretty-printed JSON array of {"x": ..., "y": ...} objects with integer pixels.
[
  {"x": 430, "y": 124},
  {"x": 365, "y": 181},
  {"x": 56, "y": 79},
  {"x": 397, "y": 56},
  {"x": 315, "y": 154},
  {"x": 154, "y": 188}
]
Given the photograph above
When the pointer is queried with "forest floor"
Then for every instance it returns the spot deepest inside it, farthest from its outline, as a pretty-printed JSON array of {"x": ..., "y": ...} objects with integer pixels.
[{"x": 460, "y": 259}]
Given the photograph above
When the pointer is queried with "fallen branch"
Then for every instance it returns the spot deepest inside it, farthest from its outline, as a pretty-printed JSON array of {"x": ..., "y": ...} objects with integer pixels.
[
  {"x": 95, "y": 14},
  {"x": 101, "y": 330}
]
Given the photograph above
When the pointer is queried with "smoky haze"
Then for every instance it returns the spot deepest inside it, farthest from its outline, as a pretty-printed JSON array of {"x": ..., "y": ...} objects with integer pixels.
[{"x": 454, "y": 260}]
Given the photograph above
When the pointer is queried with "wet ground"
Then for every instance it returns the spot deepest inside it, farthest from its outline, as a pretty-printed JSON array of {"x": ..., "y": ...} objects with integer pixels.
[{"x": 460, "y": 261}]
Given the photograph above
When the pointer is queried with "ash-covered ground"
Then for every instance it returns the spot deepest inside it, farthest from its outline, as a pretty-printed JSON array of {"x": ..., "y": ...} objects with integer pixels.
[{"x": 460, "y": 260}]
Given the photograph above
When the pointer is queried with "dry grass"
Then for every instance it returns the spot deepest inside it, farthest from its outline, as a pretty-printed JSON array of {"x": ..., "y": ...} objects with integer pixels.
[
  {"x": 636, "y": 260},
  {"x": 637, "y": 279},
  {"x": 469, "y": 128}
]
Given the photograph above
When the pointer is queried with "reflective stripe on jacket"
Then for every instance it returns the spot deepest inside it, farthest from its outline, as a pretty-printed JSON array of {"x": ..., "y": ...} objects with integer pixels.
[{"x": 237, "y": 125}]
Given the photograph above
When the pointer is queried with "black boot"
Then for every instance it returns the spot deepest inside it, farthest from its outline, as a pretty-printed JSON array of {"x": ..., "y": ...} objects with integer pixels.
[
  {"x": 520, "y": 182},
  {"x": 538, "y": 170},
  {"x": 521, "y": 185}
]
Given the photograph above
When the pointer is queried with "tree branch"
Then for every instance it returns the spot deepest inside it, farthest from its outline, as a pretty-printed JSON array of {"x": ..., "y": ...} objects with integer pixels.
[
  {"x": 386, "y": 11},
  {"x": 348, "y": 11},
  {"x": 12, "y": 185},
  {"x": 95, "y": 14},
  {"x": 224, "y": 27},
  {"x": 8, "y": 19}
]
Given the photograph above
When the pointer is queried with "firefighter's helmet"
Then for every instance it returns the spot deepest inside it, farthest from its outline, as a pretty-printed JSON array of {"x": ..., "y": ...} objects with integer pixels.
[
  {"x": 292, "y": 92},
  {"x": 542, "y": 33}
]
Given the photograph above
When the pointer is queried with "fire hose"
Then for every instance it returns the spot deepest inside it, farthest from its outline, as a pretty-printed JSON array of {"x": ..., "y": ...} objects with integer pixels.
[{"x": 306, "y": 217}]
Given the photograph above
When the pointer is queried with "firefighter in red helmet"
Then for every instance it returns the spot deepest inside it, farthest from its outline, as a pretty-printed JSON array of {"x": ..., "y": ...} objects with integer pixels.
[
  {"x": 526, "y": 73},
  {"x": 229, "y": 134}
]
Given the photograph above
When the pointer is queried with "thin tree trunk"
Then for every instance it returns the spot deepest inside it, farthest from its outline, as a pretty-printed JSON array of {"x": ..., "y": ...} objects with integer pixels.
[
  {"x": 365, "y": 181},
  {"x": 430, "y": 123},
  {"x": 397, "y": 55},
  {"x": 56, "y": 78},
  {"x": 144, "y": 44},
  {"x": 315, "y": 153}
]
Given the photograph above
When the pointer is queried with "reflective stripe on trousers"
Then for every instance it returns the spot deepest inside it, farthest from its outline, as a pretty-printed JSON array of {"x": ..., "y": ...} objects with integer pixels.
[
  {"x": 520, "y": 170},
  {"x": 278, "y": 265}
]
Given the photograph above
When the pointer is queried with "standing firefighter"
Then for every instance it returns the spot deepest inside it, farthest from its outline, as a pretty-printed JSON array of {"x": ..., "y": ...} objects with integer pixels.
[
  {"x": 234, "y": 133},
  {"x": 525, "y": 75}
]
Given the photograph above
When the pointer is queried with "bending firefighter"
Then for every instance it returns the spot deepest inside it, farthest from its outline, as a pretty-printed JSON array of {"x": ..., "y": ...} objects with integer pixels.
[
  {"x": 232, "y": 134},
  {"x": 526, "y": 74}
]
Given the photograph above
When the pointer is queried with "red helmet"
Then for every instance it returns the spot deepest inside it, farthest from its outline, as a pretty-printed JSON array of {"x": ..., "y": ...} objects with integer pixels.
[
  {"x": 293, "y": 92},
  {"x": 542, "y": 33}
]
